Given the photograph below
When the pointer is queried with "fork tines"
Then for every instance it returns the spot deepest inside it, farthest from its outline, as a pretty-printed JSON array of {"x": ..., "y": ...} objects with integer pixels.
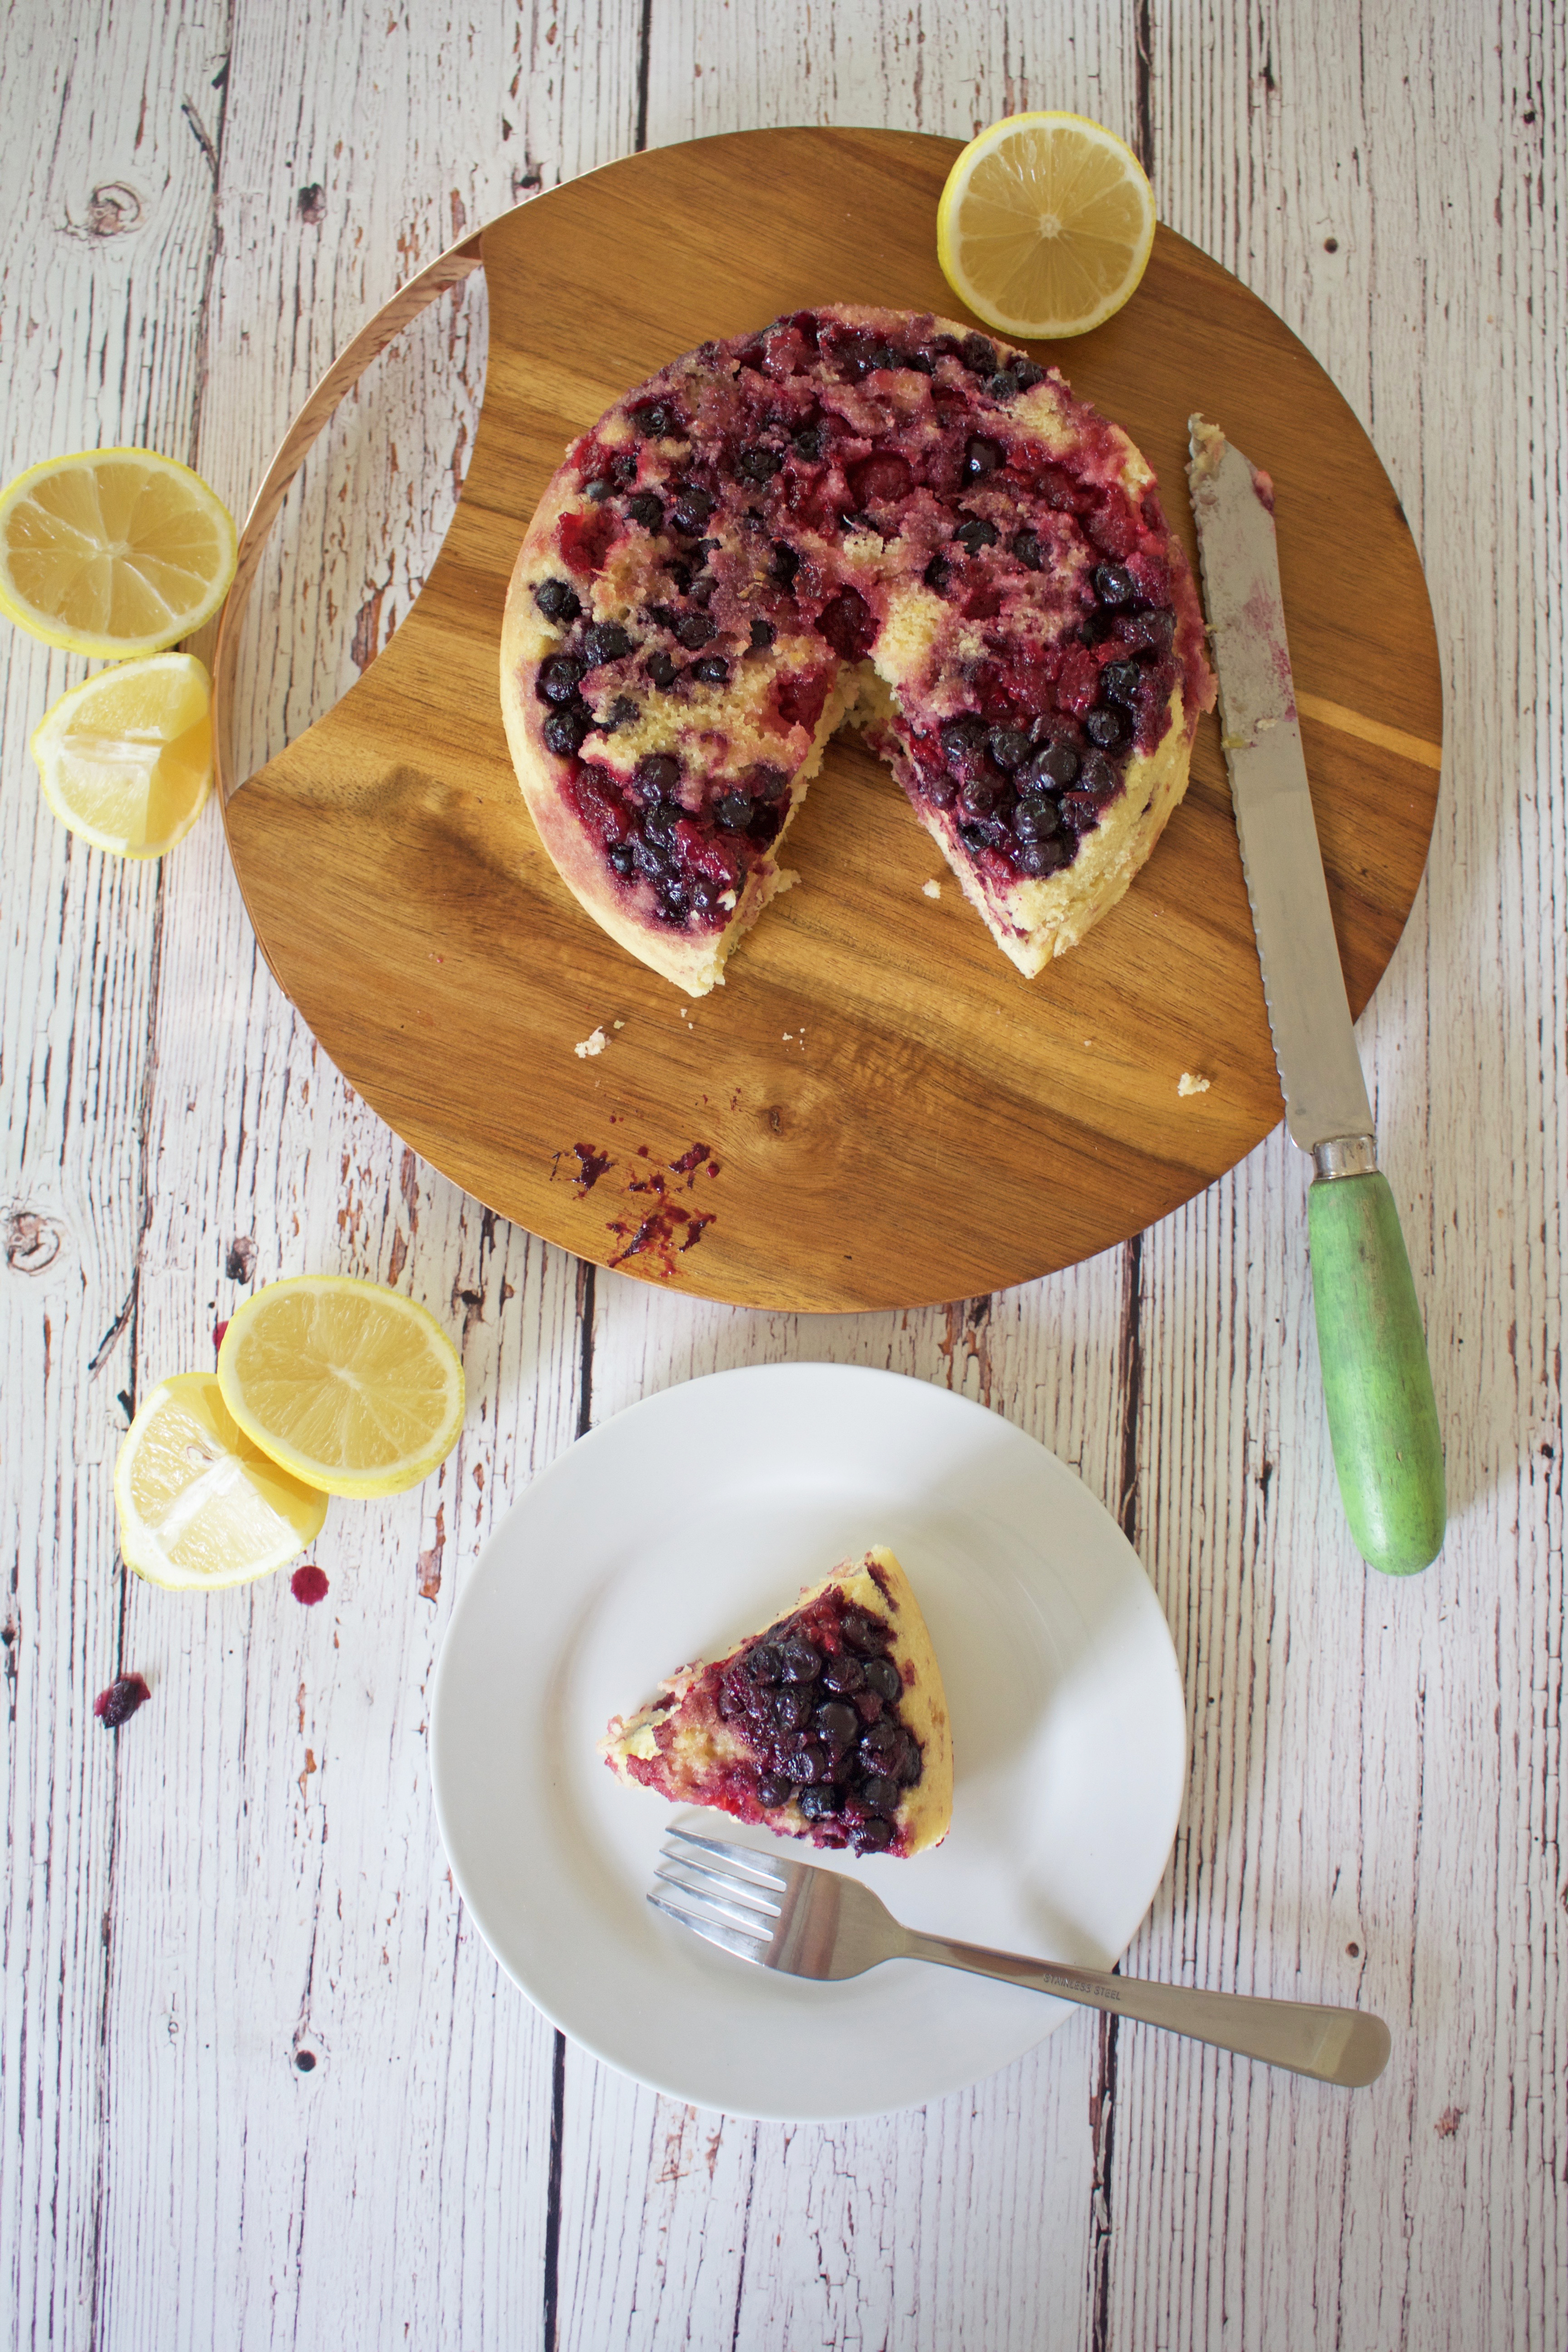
[{"x": 726, "y": 1891}]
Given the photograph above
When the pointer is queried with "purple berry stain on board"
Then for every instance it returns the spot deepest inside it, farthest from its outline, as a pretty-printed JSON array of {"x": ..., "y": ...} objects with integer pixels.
[
  {"x": 664, "y": 1228},
  {"x": 120, "y": 1702},
  {"x": 308, "y": 1584}
]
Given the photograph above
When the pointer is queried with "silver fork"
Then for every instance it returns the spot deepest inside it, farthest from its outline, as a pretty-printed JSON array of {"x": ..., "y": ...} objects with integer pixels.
[{"x": 813, "y": 1923}]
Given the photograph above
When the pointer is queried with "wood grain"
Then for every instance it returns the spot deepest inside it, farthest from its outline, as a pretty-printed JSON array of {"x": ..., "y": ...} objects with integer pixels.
[
  {"x": 1363, "y": 1775},
  {"x": 403, "y": 898}
]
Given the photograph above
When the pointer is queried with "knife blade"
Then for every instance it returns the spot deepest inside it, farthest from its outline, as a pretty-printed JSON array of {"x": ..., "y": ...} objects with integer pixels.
[{"x": 1377, "y": 1382}]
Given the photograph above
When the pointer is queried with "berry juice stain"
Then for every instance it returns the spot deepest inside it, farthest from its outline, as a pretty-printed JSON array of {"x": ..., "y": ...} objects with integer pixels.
[
  {"x": 120, "y": 1702},
  {"x": 664, "y": 1230}
]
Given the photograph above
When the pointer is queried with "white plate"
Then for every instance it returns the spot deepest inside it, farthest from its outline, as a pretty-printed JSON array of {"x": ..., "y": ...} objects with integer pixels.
[{"x": 689, "y": 1520}]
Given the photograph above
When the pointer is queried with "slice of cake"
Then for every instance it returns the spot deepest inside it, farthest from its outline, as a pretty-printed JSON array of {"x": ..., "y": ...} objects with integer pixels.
[
  {"x": 830, "y": 1724},
  {"x": 859, "y": 514}
]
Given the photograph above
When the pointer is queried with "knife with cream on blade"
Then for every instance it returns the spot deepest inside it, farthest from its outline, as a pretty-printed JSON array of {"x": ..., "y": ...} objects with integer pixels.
[{"x": 1378, "y": 1384}]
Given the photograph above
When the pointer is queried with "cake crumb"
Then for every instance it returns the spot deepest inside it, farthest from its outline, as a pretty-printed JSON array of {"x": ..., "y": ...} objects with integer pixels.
[
  {"x": 593, "y": 1045},
  {"x": 931, "y": 889},
  {"x": 1187, "y": 1085},
  {"x": 620, "y": 1024}
]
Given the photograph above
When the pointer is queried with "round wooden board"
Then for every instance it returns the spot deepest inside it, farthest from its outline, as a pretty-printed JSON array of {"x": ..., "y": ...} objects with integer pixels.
[{"x": 876, "y": 1110}]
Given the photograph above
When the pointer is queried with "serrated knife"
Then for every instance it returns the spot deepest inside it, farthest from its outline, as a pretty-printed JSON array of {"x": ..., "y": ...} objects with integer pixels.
[{"x": 1377, "y": 1383}]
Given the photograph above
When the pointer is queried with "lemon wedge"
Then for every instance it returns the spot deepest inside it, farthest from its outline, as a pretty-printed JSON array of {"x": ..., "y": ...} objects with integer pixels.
[
  {"x": 113, "y": 553},
  {"x": 350, "y": 1386},
  {"x": 126, "y": 758},
  {"x": 1045, "y": 225},
  {"x": 200, "y": 1505}
]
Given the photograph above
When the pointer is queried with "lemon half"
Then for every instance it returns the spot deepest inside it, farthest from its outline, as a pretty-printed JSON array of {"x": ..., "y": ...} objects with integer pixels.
[
  {"x": 113, "y": 551},
  {"x": 126, "y": 759},
  {"x": 200, "y": 1505},
  {"x": 1045, "y": 225},
  {"x": 351, "y": 1386}
]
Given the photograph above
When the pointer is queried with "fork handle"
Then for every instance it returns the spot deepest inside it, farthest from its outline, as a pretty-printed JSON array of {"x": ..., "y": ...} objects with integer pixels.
[{"x": 1333, "y": 2045}]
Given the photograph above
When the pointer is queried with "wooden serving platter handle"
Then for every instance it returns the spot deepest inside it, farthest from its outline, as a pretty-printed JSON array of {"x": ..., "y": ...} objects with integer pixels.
[{"x": 449, "y": 269}]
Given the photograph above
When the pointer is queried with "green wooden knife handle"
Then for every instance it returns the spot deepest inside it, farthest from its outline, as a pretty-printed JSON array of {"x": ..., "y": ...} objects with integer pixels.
[{"x": 1377, "y": 1383}]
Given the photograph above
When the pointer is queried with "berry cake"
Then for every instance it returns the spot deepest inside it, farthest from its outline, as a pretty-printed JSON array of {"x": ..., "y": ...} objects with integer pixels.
[
  {"x": 830, "y": 1724},
  {"x": 858, "y": 514}
]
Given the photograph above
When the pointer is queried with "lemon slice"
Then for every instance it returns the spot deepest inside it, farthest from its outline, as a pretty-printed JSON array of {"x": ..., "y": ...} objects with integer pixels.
[
  {"x": 350, "y": 1386},
  {"x": 1045, "y": 225},
  {"x": 127, "y": 758},
  {"x": 200, "y": 1505},
  {"x": 113, "y": 551}
]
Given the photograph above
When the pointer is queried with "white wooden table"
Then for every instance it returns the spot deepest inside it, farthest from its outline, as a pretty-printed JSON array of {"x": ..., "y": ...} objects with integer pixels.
[{"x": 260, "y": 2082}]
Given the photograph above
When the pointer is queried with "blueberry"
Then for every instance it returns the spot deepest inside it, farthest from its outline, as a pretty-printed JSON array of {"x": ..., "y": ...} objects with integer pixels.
[
  {"x": 1054, "y": 763},
  {"x": 758, "y": 465},
  {"x": 974, "y": 838},
  {"x": 789, "y": 1708},
  {"x": 712, "y": 670},
  {"x": 604, "y": 641},
  {"x": 661, "y": 669},
  {"x": 1027, "y": 549},
  {"x": 1114, "y": 585},
  {"x": 690, "y": 512},
  {"x": 768, "y": 783},
  {"x": 861, "y": 1633},
  {"x": 883, "y": 1677},
  {"x": 978, "y": 797},
  {"x": 820, "y": 1805},
  {"x": 598, "y": 490},
  {"x": 672, "y": 900},
  {"x": 938, "y": 572},
  {"x": 656, "y": 775},
  {"x": 880, "y": 1791},
  {"x": 961, "y": 740},
  {"x": 652, "y": 858},
  {"x": 975, "y": 534},
  {"x": 1097, "y": 775},
  {"x": 1119, "y": 681},
  {"x": 1008, "y": 746},
  {"x": 656, "y": 421},
  {"x": 1036, "y": 819},
  {"x": 772, "y": 1788},
  {"x": 1021, "y": 375},
  {"x": 837, "y": 1722},
  {"x": 1038, "y": 859},
  {"x": 693, "y": 630},
  {"x": 907, "y": 1765},
  {"x": 1108, "y": 729},
  {"x": 978, "y": 356},
  {"x": 877, "y": 1742},
  {"x": 940, "y": 791},
  {"x": 623, "y": 858},
  {"x": 762, "y": 636},
  {"x": 979, "y": 458},
  {"x": 763, "y": 1663},
  {"x": 802, "y": 1664},
  {"x": 647, "y": 510},
  {"x": 786, "y": 565},
  {"x": 810, "y": 1762},
  {"x": 564, "y": 729},
  {"x": 844, "y": 1674},
  {"x": 661, "y": 819},
  {"x": 556, "y": 600},
  {"x": 873, "y": 1836},
  {"x": 808, "y": 442},
  {"x": 559, "y": 679},
  {"x": 733, "y": 810}
]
